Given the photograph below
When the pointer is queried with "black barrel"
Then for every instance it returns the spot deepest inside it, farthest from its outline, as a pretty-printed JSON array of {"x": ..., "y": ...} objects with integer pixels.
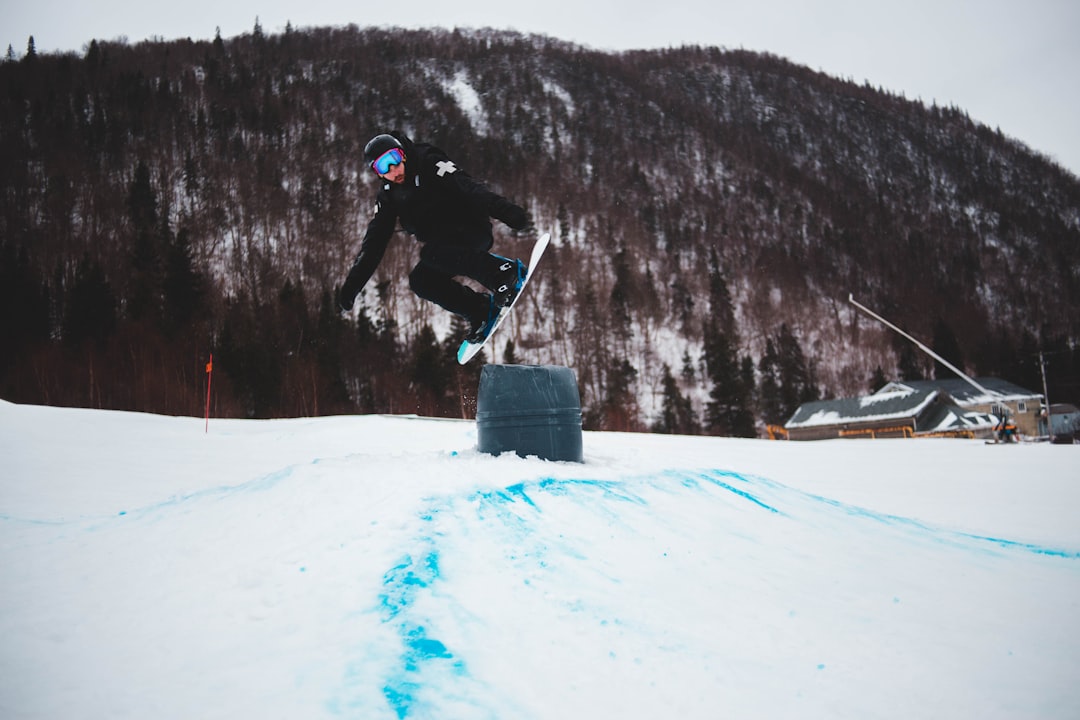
[{"x": 529, "y": 410}]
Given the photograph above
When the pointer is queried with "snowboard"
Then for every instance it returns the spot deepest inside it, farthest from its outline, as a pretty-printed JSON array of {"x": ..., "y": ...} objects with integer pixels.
[{"x": 468, "y": 350}]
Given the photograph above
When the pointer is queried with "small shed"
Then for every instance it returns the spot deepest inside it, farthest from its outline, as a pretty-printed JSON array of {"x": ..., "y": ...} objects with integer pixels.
[{"x": 1065, "y": 422}]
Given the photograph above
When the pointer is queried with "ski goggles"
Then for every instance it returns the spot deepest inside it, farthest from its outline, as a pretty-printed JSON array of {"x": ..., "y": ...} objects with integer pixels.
[{"x": 390, "y": 158}]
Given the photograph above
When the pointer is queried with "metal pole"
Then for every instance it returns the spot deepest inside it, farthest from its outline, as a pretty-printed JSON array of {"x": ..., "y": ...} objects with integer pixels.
[
  {"x": 928, "y": 351},
  {"x": 1046, "y": 399}
]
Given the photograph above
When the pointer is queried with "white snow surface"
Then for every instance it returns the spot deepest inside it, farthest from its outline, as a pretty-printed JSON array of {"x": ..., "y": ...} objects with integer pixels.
[
  {"x": 469, "y": 100},
  {"x": 382, "y": 567}
]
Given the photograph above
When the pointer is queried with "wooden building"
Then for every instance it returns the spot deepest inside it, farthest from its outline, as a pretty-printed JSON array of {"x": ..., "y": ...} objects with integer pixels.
[
  {"x": 1024, "y": 407},
  {"x": 926, "y": 408}
]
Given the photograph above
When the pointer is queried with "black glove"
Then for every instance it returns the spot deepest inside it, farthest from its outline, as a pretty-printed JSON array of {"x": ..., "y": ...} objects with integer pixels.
[
  {"x": 513, "y": 215},
  {"x": 527, "y": 229},
  {"x": 345, "y": 298}
]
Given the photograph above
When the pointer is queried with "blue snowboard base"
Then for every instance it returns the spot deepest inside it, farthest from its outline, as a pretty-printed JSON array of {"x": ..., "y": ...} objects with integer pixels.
[{"x": 468, "y": 350}]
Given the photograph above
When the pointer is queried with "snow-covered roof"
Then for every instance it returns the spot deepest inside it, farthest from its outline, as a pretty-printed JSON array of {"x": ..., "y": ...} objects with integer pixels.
[
  {"x": 932, "y": 409},
  {"x": 946, "y": 417},
  {"x": 898, "y": 404},
  {"x": 963, "y": 392}
]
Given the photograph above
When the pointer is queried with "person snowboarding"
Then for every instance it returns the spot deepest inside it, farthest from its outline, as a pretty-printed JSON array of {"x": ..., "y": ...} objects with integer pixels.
[{"x": 448, "y": 212}]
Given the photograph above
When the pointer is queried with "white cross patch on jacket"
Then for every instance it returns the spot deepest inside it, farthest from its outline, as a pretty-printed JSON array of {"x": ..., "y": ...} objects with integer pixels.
[{"x": 446, "y": 167}]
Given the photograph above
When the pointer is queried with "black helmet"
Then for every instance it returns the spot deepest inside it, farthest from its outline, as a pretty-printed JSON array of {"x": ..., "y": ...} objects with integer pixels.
[{"x": 378, "y": 145}]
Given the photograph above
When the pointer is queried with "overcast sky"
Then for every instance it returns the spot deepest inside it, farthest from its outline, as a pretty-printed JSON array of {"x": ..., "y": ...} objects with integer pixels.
[{"x": 1011, "y": 64}]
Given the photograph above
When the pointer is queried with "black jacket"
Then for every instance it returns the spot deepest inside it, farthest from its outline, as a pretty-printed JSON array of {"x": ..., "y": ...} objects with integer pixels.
[{"x": 438, "y": 203}]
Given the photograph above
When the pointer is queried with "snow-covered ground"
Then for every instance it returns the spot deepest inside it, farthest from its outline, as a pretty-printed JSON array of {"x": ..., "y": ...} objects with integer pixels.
[{"x": 381, "y": 567}]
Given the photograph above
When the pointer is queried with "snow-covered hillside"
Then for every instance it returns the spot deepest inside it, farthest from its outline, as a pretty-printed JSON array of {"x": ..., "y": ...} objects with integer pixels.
[{"x": 380, "y": 567}]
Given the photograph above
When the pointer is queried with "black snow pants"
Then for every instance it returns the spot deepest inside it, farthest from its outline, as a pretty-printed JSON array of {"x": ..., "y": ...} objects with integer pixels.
[{"x": 433, "y": 278}]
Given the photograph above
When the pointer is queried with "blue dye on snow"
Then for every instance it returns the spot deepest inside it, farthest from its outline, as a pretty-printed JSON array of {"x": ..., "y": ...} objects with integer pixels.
[
  {"x": 939, "y": 534},
  {"x": 402, "y": 584},
  {"x": 400, "y": 697},
  {"x": 609, "y": 489},
  {"x": 403, "y": 581},
  {"x": 742, "y": 494},
  {"x": 1028, "y": 547},
  {"x": 719, "y": 478},
  {"x": 514, "y": 505},
  {"x": 511, "y": 494},
  {"x": 517, "y": 506},
  {"x": 424, "y": 648},
  {"x": 518, "y": 491}
]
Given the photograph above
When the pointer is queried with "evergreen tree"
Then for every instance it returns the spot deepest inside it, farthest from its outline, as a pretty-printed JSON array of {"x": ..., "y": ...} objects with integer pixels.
[
  {"x": 728, "y": 411},
  {"x": 93, "y": 56},
  {"x": 878, "y": 380},
  {"x": 910, "y": 363},
  {"x": 682, "y": 307},
  {"x": 184, "y": 287},
  {"x": 90, "y": 306},
  {"x": 677, "y": 416},
  {"x": 430, "y": 374},
  {"x": 250, "y": 357},
  {"x": 720, "y": 305},
  {"x": 24, "y": 303},
  {"x": 947, "y": 346},
  {"x": 688, "y": 372},
  {"x": 563, "y": 219},
  {"x": 770, "y": 401},
  {"x": 619, "y": 408},
  {"x": 371, "y": 360},
  {"x": 744, "y": 426},
  {"x": 329, "y": 334},
  {"x": 292, "y": 326},
  {"x": 1024, "y": 368},
  {"x": 143, "y": 296},
  {"x": 621, "y": 293},
  {"x": 509, "y": 354},
  {"x": 649, "y": 305},
  {"x": 797, "y": 382}
]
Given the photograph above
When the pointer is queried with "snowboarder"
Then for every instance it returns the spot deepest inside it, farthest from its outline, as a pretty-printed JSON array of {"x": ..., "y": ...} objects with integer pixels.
[{"x": 448, "y": 212}]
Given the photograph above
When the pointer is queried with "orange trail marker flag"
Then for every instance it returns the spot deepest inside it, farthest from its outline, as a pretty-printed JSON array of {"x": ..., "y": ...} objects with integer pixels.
[{"x": 209, "y": 377}]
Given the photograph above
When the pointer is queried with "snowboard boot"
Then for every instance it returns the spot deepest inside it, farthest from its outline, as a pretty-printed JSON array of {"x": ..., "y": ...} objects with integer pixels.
[
  {"x": 511, "y": 278},
  {"x": 481, "y": 325}
]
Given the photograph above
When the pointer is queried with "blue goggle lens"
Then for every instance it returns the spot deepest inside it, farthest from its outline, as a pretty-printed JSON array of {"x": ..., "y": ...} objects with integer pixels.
[{"x": 390, "y": 158}]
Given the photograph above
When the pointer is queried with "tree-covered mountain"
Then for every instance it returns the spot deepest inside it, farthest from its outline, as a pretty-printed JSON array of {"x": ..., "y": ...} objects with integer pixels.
[{"x": 712, "y": 211}]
